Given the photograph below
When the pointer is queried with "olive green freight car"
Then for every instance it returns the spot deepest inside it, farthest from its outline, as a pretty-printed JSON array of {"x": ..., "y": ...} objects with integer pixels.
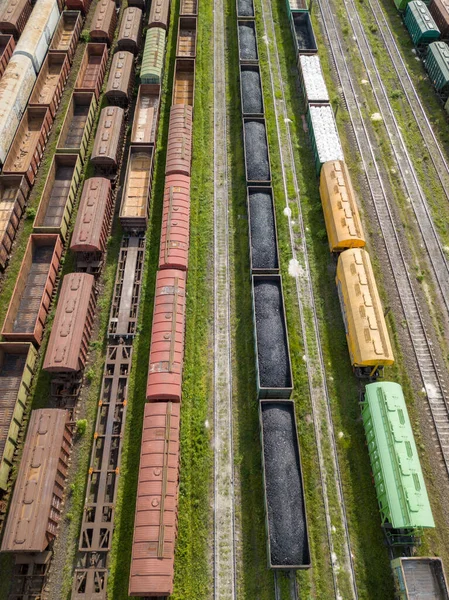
[
  {"x": 420, "y": 24},
  {"x": 437, "y": 66},
  {"x": 17, "y": 362},
  {"x": 153, "y": 56}
]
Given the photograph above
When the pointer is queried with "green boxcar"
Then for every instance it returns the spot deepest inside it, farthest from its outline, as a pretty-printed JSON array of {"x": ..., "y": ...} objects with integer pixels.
[
  {"x": 400, "y": 487},
  {"x": 17, "y": 362},
  {"x": 419, "y": 577},
  {"x": 437, "y": 66},
  {"x": 153, "y": 56},
  {"x": 420, "y": 24}
]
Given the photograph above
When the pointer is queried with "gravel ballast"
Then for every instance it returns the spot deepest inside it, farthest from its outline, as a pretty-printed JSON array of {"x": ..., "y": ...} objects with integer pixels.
[
  {"x": 285, "y": 500},
  {"x": 247, "y": 41},
  {"x": 245, "y": 8},
  {"x": 263, "y": 231},
  {"x": 272, "y": 348},
  {"x": 257, "y": 164},
  {"x": 314, "y": 86},
  {"x": 251, "y": 91}
]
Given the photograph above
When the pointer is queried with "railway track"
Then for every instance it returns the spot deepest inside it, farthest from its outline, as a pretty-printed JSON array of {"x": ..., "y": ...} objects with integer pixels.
[
  {"x": 422, "y": 346},
  {"x": 319, "y": 393},
  {"x": 224, "y": 512}
]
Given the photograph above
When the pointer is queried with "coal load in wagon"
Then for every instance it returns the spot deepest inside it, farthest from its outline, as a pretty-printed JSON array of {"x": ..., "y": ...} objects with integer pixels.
[
  {"x": 305, "y": 38},
  {"x": 251, "y": 91},
  {"x": 284, "y": 493},
  {"x": 263, "y": 231},
  {"x": 272, "y": 348},
  {"x": 247, "y": 40},
  {"x": 245, "y": 8},
  {"x": 257, "y": 163}
]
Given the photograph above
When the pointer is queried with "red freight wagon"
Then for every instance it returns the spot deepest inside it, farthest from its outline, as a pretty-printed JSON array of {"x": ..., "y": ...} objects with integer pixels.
[
  {"x": 51, "y": 82},
  {"x": 439, "y": 9},
  {"x": 7, "y": 45},
  {"x": 156, "y": 520},
  {"x": 93, "y": 66},
  {"x": 121, "y": 79},
  {"x": 14, "y": 190},
  {"x": 71, "y": 329},
  {"x": 130, "y": 33},
  {"x": 167, "y": 338},
  {"x": 179, "y": 145},
  {"x": 146, "y": 114},
  {"x": 159, "y": 13},
  {"x": 38, "y": 494},
  {"x": 175, "y": 232},
  {"x": 82, "y": 5},
  {"x": 104, "y": 22},
  {"x": 31, "y": 298},
  {"x": 14, "y": 15},
  {"x": 93, "y": 220},
  {"x": 67, "y": 33}
]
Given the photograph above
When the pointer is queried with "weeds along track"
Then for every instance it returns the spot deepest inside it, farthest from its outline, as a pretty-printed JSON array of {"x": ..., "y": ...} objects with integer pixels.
[
  {"x": 404, "y": 163},
  {"x": 322, "y": 416},
  {"x": 421, "y": 343},
  {"x": 224, "y": 521}
]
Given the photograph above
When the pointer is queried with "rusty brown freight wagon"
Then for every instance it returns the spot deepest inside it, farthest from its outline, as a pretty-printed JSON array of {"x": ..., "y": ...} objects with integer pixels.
[
  {"x": 82, "y": 5},
  {"x": 439, "y": 9},
  {"x": 121, "y": 79},
  {"x": 17, "y": 363},
  {"x": 51, "y": 81},
  {"x": 179, "y": 144},
  {"x": 104, "y": 22},
  {"x": 7, "y": 45},
  {"x": 14, "y": 16},
  {"x": 188, "y": 8},
  {"x": 146, "y": 115},
  {"x": 78, "y": 122},
  {"x": 25, "y": 154},
  {"x": 14, "y": 190},
  {"x": 31, "y": 298},
  {"x": 137, "y": 189},
  {"x": 66, "y": 36},
  {"x": 38, "y": 494},
  {"x": 187, "y": 33},
  {"x": 58, "y": 197},
  {"x": 107, "y": 148},
  {"x": 159, "y": 13},
  {"x": 184, "y": 81},
  {"x": 130, "y": 33},
  {"x": 92, "y": 69}
]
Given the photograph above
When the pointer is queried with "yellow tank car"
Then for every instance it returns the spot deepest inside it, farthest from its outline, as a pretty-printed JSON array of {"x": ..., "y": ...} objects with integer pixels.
[
  {"x": 341, "y": 214},
  {"x": 366, "y": 331}
]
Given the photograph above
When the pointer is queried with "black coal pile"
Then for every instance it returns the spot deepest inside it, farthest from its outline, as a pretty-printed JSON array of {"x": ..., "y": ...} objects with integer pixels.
[
  {"x": 274, "y": 366},
  {"x": 263, "y": 235},
  {"x": 247, "y": 37},
  {"x": 245, "y": 8},
  {"x": 256, "y": 150},
  {"x": 251, "y": 91},
  {"x": 303, "y": 31},
  {"x": 286, "y": 514}
]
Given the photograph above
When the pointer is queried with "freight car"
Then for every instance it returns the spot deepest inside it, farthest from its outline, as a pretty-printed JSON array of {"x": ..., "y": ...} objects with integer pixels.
[
  {"x": 159, "y": 14},
  {"x": 247, "y": 40},
  {"x": 401, "y": 492},
  {"x": 15, "y": 89},
  {"x": 32, "y": 295},
  {"x": 439, "y": 9},
  {"x": 313, "y": 86},
  {"x": 188, "y": 8},
  {"x": 14, "y": 191},
  {"x": 179, "y": 144},
  {"x": 51, "y": 82},
  {"x": 296, "y": 5},
  {"x": 25, "y": 154},
  {"x": 167, "y": 338},
  {"x": 419, "y": 577},
  {"x": 175, "y": 232},
  {"x": 7, "y": 45},
  {"x": 420, "y": 25},
  {"x": 263, "y": 242},
  {"x": 17, "y": 363},
  {"x": 104, "y": 22},
  {"x": 92, "y": 69},
  {"x": 273, "y": 367},
  {"x": 82, "y": 5},
  {"x": 184, "y": 81},
  {"x": 120, "y": 84},
  {"x": 90, "y": 235},
  {"x": 146, "y": 115},
  {"x": 251, "y": 91},
  {"x": 130, "y": 32},
  {"x": 303, "y": 35},
  {"x": 366, "y": 330},
  {"x": 14, "y": 15},
  {"x": 70, "y": 333},
  {"x": 37, "y": 501},
  {"x": 67, "y": 33},
  {"x": 341, "y": 213},
  {"x": 107, "y": 148},
  {"x": 58, "y": 197},
  {"x": 156, "y": 518},
  {"x": 285, "y": 509},
  {"x": 135, "y": 204},
  {"x": 153, "y": 56},
  {"x": 186, "y": 41},
  {"x": 245, "y": 8},
  {"x": 257, "y": 157},
  {"x": 78, "y": 122},
  {"x": 437, "y": 66},
  {"x": 323, "y": 134},
  {"x": 38, "y": 32}
]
